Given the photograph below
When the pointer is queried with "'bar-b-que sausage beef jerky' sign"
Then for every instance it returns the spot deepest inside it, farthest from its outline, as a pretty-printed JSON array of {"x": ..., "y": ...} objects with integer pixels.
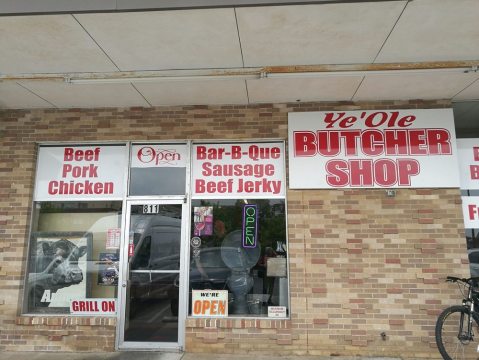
[
  {"x": 238, "y": 170},
  {"x": 372, "y": 149}
]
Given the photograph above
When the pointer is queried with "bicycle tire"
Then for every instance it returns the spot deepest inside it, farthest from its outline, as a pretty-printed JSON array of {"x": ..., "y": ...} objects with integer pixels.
[{"x": 448, "y": 340}]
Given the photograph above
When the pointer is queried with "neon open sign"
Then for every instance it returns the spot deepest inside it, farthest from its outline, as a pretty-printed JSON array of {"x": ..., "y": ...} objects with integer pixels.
[{"x": 250, "y": 226}]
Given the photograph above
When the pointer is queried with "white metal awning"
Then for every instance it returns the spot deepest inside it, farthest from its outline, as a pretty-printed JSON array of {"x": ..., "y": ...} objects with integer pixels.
[{"x": 322, "y": 51}]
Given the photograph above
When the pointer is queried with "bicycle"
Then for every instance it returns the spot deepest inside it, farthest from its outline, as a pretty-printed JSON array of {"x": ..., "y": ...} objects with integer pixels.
[{"x": 456, "y": 324}]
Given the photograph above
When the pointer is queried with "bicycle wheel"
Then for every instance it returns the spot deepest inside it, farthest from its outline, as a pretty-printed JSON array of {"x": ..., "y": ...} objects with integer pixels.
[{"x": 452, "y": 338}]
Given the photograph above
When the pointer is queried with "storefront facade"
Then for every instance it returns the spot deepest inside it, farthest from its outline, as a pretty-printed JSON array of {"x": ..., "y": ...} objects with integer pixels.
[{"x": 356, "y": 269}]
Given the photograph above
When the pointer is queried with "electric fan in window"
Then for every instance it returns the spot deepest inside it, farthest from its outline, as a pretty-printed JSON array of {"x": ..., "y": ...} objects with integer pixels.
[{"x": 240, "y": 260}]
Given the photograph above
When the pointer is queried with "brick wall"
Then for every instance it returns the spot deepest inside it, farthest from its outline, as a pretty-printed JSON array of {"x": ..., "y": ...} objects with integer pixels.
[{"x": 361, "y": 263}]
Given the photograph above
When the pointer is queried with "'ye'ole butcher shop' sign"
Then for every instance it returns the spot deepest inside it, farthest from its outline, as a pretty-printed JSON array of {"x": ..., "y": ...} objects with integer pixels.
[{"x": 372, "y": 149}]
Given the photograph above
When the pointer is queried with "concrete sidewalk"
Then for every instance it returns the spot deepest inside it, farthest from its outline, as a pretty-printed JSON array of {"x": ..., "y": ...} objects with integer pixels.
[{"x": 150, "y": 355}]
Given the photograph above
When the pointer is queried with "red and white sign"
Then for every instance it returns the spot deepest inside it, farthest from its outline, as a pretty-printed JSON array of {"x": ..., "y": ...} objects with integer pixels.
[
  {"x": 158, "y": 155},
  {"x": 209, "y": 303},
  {"x": 470, "y": 211},
  {"x": 113, "y": 237},
  {"x": 93, "y": 307},
  {"x": 372, "y": 149},
  {"x": 468, "y": 154},
  {"x": 244, "y": 170},
  {"x": 80, "y": 172}
]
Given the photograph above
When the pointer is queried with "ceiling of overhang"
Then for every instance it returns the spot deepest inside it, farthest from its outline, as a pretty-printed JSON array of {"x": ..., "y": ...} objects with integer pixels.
[{"x": 388, "y": 32}]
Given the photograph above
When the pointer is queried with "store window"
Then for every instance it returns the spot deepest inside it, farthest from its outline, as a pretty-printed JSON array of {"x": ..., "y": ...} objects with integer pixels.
[
  {"x": 238, "y": 243},
  {"x": 471, "y": 213},
  {"x": 73, "y": 255},
  {"x": 468, "y": 157},
  {"x": 73, "y": 258},
  {"x": 467, "y": 132},
  {"x": 252, "y": 270}
]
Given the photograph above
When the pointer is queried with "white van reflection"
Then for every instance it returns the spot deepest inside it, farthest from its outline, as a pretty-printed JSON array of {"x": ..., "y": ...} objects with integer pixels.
[
  {"x": 156, "y": 241},
  {"x": 207, "y": 271}
]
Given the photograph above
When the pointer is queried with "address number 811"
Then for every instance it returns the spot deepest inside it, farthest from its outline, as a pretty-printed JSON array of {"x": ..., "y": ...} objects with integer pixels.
[{"x": 151, "y": 209}]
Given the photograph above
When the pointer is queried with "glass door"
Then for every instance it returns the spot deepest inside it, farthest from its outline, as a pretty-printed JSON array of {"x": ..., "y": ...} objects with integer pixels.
[{"x": 152, "y": 282}]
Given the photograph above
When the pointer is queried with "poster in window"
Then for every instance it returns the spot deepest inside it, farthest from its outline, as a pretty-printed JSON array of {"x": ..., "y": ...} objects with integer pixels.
[
  {"x": 58, "y": 270},
  {"x": 203, "y": 220},
  {"x": 108, "y": 269}
]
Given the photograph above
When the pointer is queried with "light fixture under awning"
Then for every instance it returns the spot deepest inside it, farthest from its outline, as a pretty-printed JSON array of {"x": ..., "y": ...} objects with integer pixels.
[{"x": 260, "y": 73}]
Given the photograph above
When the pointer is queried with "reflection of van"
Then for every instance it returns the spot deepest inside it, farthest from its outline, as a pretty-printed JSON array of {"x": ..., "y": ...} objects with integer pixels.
[
  {"x": 156, "y": 241},
  {"x": 207, "y": 271}
]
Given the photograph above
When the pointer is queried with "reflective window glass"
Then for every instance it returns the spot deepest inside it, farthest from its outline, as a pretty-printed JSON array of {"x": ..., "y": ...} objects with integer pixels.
[
  {"x": 246, "y": 257},
  {"x": 73, "y": 254}
]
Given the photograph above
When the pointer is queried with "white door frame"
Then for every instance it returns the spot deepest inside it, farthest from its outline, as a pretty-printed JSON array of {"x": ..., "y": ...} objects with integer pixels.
[{"x": 121, "y": 344}]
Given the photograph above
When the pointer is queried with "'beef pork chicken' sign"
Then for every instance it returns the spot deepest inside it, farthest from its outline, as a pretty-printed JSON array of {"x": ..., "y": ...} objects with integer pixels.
[
  {"x": 80, "y": 172},
  {"x": 372, "y": 149}
]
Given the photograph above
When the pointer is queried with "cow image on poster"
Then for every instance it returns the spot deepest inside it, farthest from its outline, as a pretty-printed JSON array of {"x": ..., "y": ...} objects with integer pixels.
[{"x": 54, "y": 266}]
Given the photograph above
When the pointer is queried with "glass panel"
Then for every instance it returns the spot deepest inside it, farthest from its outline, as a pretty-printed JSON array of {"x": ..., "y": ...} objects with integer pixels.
[
  {"x": 153, "y": 308},
  {"x": 152, "y": 298},
  {"x": 74, "y": 254},
  {"x": 157, "y": 181},
  {"x": 472, "y": 240},
  {"x": 156, "y": 237},
  {"x": 247, "y": 257}
]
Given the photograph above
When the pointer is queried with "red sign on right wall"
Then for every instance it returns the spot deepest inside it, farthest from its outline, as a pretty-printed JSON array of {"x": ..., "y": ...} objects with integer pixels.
[
  {"x": 372, "y": 149},
  {"x": 468, "y": 154}
]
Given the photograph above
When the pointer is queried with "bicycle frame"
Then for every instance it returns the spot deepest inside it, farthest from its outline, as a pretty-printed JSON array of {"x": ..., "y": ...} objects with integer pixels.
[
  {"x": 468, "y": 302},
  {"x": 453, "y": 341}
]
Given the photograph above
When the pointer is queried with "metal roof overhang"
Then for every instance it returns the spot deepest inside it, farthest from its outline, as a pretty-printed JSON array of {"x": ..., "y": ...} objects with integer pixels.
[
  {"x": 30, "y": 7},
  {"x": 123, "y": 53}
]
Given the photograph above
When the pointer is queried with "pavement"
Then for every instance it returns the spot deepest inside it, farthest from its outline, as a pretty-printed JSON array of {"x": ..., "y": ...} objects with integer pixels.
[{"x": 153, "y": 355}]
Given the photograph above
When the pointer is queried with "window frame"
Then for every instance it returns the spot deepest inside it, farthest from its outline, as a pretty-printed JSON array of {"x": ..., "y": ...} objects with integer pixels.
[{"x": 234, "y": 197}]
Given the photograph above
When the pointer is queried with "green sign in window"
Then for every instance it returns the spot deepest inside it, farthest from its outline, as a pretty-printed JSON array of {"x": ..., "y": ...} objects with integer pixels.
[{"x": 250, "y": 226}]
